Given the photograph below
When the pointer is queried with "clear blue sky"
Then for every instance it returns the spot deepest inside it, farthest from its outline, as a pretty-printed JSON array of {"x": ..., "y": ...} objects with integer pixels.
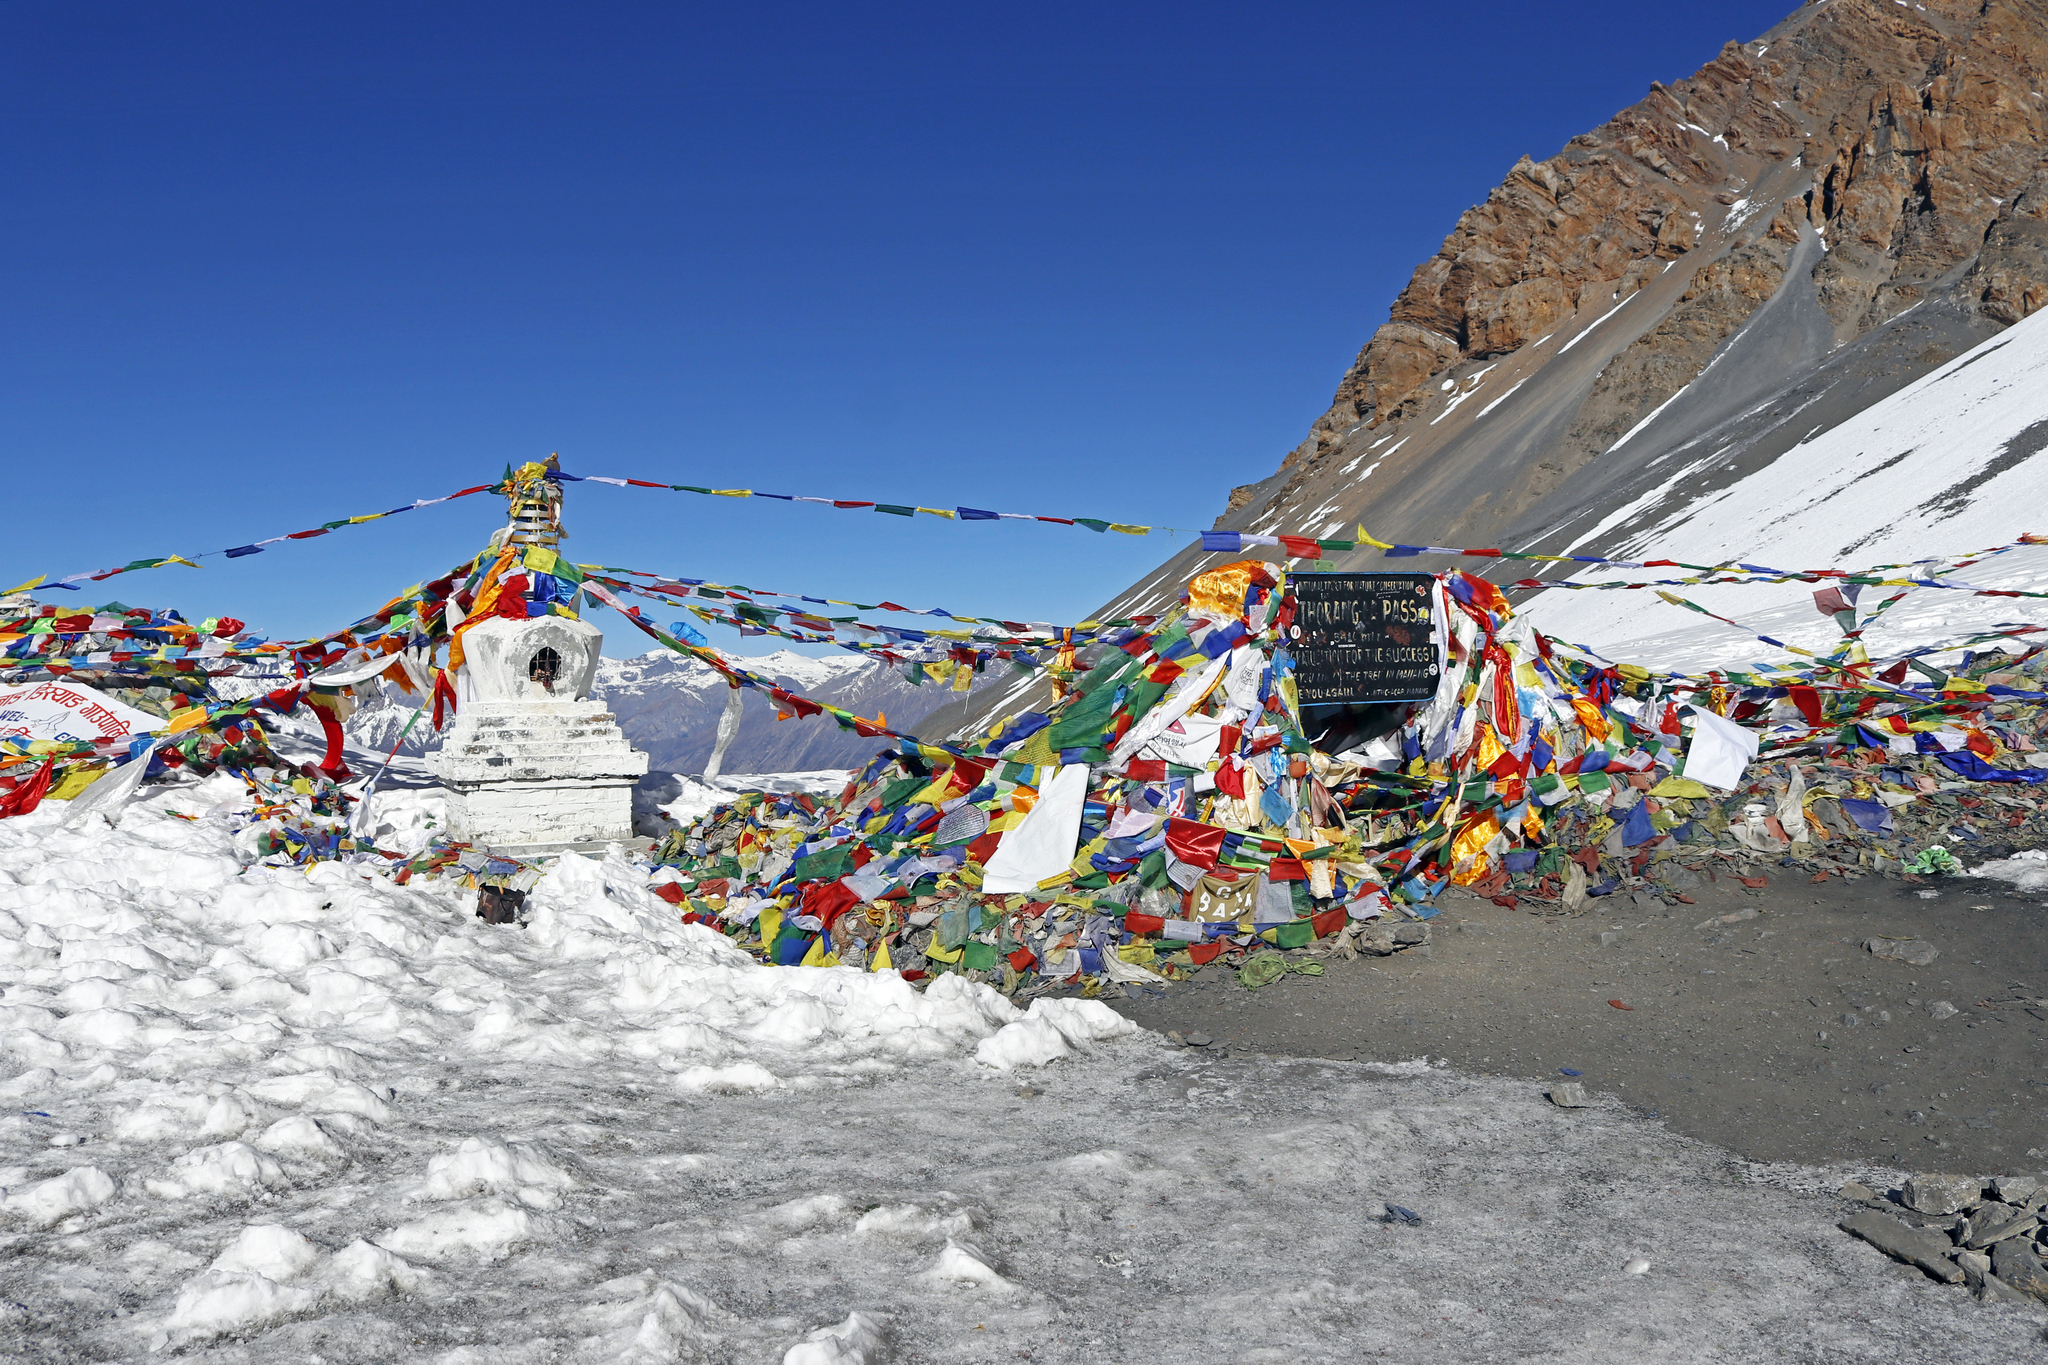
[{"x": 273, "y": 264}]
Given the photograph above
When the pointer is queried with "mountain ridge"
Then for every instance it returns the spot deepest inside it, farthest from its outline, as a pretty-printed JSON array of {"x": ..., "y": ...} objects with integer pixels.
[{"x": 668, "y": 705}]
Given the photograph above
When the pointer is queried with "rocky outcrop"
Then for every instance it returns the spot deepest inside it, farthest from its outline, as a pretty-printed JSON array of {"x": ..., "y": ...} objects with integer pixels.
[
  {"x": 1674, "y": 352},
  {"x": 2010, "y": 279},
  {"x": 1916, "y": 127}
]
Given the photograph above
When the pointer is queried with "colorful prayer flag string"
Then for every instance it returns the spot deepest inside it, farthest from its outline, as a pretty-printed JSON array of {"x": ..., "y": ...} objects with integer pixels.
[{"x": 71, "y": 581}]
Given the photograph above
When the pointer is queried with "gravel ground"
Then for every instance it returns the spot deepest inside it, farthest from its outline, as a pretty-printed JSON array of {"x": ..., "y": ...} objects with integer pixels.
[{"x": 1778, "y": 1035}]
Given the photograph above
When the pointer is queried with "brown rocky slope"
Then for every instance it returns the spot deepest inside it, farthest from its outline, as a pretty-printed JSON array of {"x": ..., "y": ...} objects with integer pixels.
[{"x": 1915, "y": 129}]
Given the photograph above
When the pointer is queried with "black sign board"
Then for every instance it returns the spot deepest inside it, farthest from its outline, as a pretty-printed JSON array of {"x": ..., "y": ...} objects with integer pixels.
[{"x": 1362, "y": 637}]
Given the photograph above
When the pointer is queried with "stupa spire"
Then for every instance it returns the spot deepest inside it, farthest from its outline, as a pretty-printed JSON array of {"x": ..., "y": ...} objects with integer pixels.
[{"x": 536, "y": 504}]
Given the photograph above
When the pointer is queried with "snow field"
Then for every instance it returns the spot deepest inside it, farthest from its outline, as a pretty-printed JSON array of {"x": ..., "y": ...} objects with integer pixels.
[
  {"x": 190, "y": 1036},
  {"x": 1948, "y": 465},
  {"x": 274, "y": 1116}
]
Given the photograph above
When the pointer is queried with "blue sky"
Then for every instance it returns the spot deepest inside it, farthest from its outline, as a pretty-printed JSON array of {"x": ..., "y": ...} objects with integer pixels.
[{"x": 272, "y": 265}]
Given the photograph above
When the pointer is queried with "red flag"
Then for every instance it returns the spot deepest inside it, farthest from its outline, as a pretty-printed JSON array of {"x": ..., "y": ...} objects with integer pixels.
[
  {"x": 1230, "y": 780},
  {"x": 1830, "y": 600},
  {"x": 444, "y": 696},
  {"x": 1194, "y": 842},
  {"x": 29, "y": 794}
]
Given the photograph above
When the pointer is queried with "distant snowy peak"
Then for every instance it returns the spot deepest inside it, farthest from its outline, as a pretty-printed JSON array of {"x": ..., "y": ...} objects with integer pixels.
[
  {"x": 669, "y": 706},
  {"x": 806, "y": 671},
  {"x": 662, "y": 668}
]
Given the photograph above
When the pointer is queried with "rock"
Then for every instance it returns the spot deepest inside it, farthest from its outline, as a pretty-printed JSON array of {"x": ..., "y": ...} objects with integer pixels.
[
  {"x": 1648, "y": 900},
  {"x": 1199, "y": 1039},
  {"x": 2009, "y": 274},
  {"x": 1638, "y": 1266},
  {"x": 1942, "y": 1009},
  {"x": 1411, "y": 934},
  {"x": 1996, "y": 1222},
  {"x": 1858, "y": 1192},
  {"x": 1913, "y": 951},
  {"x": 1675, "y": 876},
  {"x": 1914, "y": 1246},
  {"x": 2016, "y": 1189},
  {"x": 1943, "y": 1194},
  {"x": 1608, "y": 938},
  {"x": 1975, "y": 1266},
  {"x": 1568, "y": 1095},
  {"x": 1995, "y": 1290},
  {"x": 2019, "y": 1267},
  {"x": 1375, "y": 938}
]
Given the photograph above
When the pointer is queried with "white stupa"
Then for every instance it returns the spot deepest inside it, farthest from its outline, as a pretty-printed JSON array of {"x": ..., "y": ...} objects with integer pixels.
[{"x": 531, "y": 764}]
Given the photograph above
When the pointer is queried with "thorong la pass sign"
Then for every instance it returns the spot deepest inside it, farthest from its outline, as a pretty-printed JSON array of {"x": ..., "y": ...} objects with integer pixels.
[{"x": 1363, "y": 637}]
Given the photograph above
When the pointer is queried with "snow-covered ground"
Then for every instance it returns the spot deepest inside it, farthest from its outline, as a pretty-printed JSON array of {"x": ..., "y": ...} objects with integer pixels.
[
  {"x": 1950, "y": 464},
  {"x": 273, "y": 1115}
]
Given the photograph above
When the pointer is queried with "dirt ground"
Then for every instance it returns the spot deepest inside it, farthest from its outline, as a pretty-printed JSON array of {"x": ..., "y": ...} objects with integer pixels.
[{"x": 1778, "y": 1036}]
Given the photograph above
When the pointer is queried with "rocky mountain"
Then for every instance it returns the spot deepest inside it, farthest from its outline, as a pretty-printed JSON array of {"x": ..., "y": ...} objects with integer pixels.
[
  {"x": 1735, "y": 265},
  {"x": 669, "y": 708},
  {"x": 1798, "y": 196}
]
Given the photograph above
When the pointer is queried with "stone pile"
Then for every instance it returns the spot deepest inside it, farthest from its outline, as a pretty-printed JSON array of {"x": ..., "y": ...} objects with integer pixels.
[{"x": 1987, "y": 1235}]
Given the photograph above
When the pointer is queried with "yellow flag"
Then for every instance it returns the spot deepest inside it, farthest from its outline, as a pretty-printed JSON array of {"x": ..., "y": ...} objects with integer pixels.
[
  {"x": 816, "y": 956},
  {"x": 880, "y": 962},
  {"x": 1366, "y": 536},
  {"x": 190, "y": 718},
  {"x": 769, "y": 924},
  {"x": 74, "y": 782}
]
